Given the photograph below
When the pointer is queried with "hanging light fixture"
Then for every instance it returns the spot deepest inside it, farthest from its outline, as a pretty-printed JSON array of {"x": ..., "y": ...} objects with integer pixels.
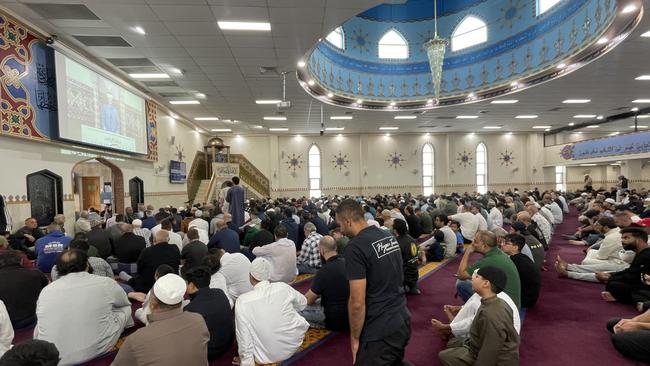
[{"x": 436, "y": 47}]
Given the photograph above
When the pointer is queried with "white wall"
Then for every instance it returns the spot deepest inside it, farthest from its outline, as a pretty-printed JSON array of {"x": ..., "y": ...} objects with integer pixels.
[{"x": 369, "y": 171}]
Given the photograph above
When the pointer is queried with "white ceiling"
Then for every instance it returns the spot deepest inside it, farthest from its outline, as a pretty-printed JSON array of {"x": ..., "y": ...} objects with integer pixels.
[{"x": 224, "y": 65}]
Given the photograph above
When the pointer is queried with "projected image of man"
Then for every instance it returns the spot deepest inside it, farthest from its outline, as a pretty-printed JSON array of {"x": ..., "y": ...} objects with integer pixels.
[{"x": 109, "y": 116}]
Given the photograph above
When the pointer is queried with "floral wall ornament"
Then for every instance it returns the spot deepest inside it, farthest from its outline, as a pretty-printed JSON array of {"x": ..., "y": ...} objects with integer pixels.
[
  {"x": 507, "y": 158},
  {"x": 394, "y": 160},
  {"x": 294, "y": 162},
  {"x": 180, "y": 152},
  {"x": 464, "y": 159},
  {"x": 340, "y": 161}
]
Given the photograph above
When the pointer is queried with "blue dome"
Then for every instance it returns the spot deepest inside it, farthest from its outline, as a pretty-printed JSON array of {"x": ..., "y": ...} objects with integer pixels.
[{"x": 520, "y": 48}]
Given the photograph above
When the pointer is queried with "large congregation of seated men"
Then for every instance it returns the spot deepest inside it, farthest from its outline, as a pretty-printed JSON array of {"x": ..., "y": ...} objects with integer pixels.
[{"x": 205, "y": 278}]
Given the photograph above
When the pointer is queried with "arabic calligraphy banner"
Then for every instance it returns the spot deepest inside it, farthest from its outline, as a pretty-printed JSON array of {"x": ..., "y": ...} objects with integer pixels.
[{"x": 633, "y": 143}]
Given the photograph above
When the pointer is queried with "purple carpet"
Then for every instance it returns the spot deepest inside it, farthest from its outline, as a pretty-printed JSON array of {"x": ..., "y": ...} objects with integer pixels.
[{"x": 567, "y": 327}]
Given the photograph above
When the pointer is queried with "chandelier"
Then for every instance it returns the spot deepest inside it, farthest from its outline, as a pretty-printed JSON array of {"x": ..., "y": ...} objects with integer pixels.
[{"x": 436, "y": 47}]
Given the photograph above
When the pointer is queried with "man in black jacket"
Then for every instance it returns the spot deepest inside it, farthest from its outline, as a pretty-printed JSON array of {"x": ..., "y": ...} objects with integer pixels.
[
  {"x": 626, "y": 286},
  {"x": 128, "y": 247},
  {"x": 99, "y": 238},
  {"x": 19, "y": 289},
  {"x": 160, "y": 253},
  {"x": 409, "y": 256},
  {"x": 214, "y": 307}
]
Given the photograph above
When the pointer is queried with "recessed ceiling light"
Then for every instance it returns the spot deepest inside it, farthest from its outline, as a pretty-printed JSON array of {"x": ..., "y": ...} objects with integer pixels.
[
  {"x": 509, "y": 134},
  {"x": 471, "y": 95},
  {"x": 492, "y": 127},
  {"x": 359, "y": 101},
  {"x": 278, "y": 129},
  {"x": 542, "y": 127},
  {"x": 561, "y": 66},
  {"x": 548, "y": 129},
  {"x": 643, "y": 116},
  {"x": 614, "y": 133},
  {"x": 267, "y": 101},
  {"x": 275, "y": 118},
  {"x": 245, "y": 26},
  {"x": 641, "y": 101},
  {"x": 571, "y": 124},
  {"x": 587, "y": 164},
  {"x": 139, "y": 30},
  {"x": 635, "y": 109},
  {"x": 504, "y": 101},
  {"x": 301, "y": 63},
  {"x": 471, "y": 134},
  {"x": 388, "y": 128},
  {"x": 334, "y": 128},
  {"x": 576, "y": 101},
  {"x": 628, "y": 9},
  {"x": 514, "y": 84},
  {"x": 466, "y": 117},
  {"x": 392, "y": 104},
  {"x": 526, "y": 116},
  {"x": 429, "y": 101},
  {"x": 330, "y": 95},
  {"x": 593, "y": 126},
  {"x": 311, "y": 82},
  {"x": 642, "y": 77},
  {"x": 206, "y": 118},
  {"x": 602, "y": 40},
  {"x": 258, "y": 127},
  {"x": 600, "y": 117},
  {"x": 341, "y": 117},
  {"x": 200, "y": 95},
  {"x": 184, "y": 102},
  {"x": 584, "y": 116},
  {"x": 406, "y": 117},
  {"x": 221, "y": 130},
  {"x": 639, "y": 126},
  {"x": 159, "y": 75},
  {"x": 646, "y": 34},
  {"x": 176, "y": 70}
]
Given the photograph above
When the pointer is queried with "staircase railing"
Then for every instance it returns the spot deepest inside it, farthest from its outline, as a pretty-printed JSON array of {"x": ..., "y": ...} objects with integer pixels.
[
  {"x": 196, "y": 174},
  {"x": 250, "y": 175}
]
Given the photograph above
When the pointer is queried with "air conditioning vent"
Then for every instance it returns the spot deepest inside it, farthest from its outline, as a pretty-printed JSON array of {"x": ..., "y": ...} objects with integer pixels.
[{"x": 103, "y": 41}]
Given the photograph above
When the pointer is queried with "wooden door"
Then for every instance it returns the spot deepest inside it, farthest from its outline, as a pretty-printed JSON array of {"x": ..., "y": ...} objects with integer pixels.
[{"x": 90, "y": 193}]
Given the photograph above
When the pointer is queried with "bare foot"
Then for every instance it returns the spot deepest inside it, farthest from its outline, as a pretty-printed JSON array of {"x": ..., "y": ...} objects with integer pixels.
[
  {"x": 577, "y": 242},
  {"x": 607, "y": 296},
  {"x": 236, "y": 361},
  {"x": 560, "y": 267}
]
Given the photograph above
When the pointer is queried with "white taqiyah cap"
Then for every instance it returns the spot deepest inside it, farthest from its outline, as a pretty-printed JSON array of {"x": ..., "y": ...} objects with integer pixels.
[
  {"x": 170, "y": 289},
  {"x": 137, "y": 222},
  {"x": 261, "y": 269},
  {"x": 610, "y": 200}
]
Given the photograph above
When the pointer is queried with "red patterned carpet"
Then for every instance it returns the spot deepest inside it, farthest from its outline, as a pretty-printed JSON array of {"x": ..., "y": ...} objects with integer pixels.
[{"x": 567, "y": 327}]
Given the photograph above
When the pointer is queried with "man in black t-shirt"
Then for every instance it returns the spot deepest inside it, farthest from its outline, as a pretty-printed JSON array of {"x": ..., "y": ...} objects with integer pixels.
[
  {"x": 380, "y": 323},
  {"x": 409, "y": 256},
  {"x": 331, "y": 285},
  {"x": 529, "y": 273}
]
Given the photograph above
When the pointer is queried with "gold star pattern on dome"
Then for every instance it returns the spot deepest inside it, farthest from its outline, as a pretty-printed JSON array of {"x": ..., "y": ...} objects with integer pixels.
[
  {"x": 395, "y": 160},
  {"x": 507, "y": 158},
  {"x": 511, "y": 13},
  {"x": 340, "y": 161},
  {"x": 294, "y": 162},
  {"x": 464, "y": 159},
  {"x": 360, "y": 40}
]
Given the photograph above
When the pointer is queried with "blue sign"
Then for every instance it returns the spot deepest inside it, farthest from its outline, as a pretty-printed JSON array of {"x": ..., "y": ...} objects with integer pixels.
[
  {"x": 177, "y": 172},
  {"x": 633, "y": 143}
]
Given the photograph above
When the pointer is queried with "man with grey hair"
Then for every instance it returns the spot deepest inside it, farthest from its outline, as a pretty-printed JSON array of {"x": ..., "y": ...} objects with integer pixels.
[
  {"x": 82, "y": 225},
  {"x": 327, "y": 299},
  {"x": 60, "y": 220},
  {"x": 485, "y": 242},
  {"x": 160, "y": 253},
  {"x": 142, "y": 232},
  {"x": 225, "y": 238},
  {"x": 309, "y": 258}
]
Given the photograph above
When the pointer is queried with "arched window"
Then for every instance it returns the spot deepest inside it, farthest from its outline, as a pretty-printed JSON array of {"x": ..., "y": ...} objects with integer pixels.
[
  {"x": 314, "y": 171},
  {"x": 427, "y": 169},
  {"x": 337, "y": 38},
  {"x": 481, "y": 168},
  {"x": 471, "y": 31},
  {"x": 393, "y": 45},
  {"x": 544, "y": 5}
]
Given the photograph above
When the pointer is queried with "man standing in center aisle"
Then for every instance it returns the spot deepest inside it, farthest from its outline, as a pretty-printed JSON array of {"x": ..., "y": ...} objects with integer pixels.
[
  {"x": 235, "y": 198},
  {"x": 380, "y": 323}
]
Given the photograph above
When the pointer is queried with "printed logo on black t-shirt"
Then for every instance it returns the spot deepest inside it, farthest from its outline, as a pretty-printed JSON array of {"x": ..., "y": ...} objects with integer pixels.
[{"x": 385, "y": 246}]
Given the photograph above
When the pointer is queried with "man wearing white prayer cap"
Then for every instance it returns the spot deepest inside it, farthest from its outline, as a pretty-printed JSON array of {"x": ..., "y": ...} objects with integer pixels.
[
  {"x": 269, "y": 328},
  {"x": 173, "y": 337}
]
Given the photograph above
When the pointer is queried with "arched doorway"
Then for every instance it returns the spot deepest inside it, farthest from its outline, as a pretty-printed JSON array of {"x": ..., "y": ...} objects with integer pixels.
[
  {"x": 136, "y": 191},
  {"x": 97, "y": 181},
  {"x": 45, "y": 195}
]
